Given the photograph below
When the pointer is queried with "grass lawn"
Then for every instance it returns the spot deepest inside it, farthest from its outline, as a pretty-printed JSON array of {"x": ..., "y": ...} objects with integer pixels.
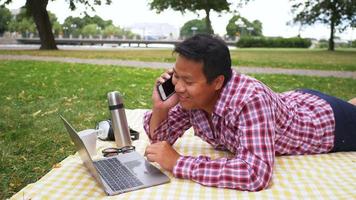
[
  {"x": 342, "y": 59},
  {"x": 32, "y": 137}
]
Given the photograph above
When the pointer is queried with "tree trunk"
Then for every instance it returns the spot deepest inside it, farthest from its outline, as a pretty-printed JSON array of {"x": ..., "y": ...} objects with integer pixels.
[
  {"x": 38, "y": 9},
  {"x": 331, "y": 39},
  {"x": 208, "y": 22},
  {"x": 332, "y": 27}
]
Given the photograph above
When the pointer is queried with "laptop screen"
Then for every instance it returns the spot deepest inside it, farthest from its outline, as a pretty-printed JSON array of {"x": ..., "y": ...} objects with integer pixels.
[{"x": 82, "y": 151}]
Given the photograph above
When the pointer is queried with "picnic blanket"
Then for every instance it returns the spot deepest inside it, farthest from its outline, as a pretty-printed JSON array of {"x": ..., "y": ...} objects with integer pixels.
[{"x": 326, "y": 176}]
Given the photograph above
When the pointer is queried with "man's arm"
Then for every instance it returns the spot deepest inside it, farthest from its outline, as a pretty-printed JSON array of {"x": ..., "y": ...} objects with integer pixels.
[
  {"x": 164, "y": 135},
  {"x": 252, "y": 167},
  {"x": 157, "y": 117},
  {"x": 164, "y": 124},
  {"x": 169, "y": 128},
  {"x": 160, "y": 108}
]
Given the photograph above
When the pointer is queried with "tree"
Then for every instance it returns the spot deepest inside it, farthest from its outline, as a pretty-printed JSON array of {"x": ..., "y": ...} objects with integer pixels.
[
  {"x": 338, "y": 14},
  {"x": 91, "y": 30},
  {"x": 77, "y": 21},
  {"x": 56, "y": 26},
  {"x": 110, "y": 31},
  {"x": 192, "y": 5},
  {"x": 193, "y": 27},
  {"x": 77, "y": 25},
  {"x": 128, "y": 34},
  {"x": 257, "y": 28},
  {"x": 248, "y": 28},
  {"x": 96, "y": 20},
  {"x": 353, "y": 44},
  {"x": 5, "y": 18},
  {"x": 38, "y": 10},
  {"x": 24, "y": 24},
  {"x": 73, "y": 25}
]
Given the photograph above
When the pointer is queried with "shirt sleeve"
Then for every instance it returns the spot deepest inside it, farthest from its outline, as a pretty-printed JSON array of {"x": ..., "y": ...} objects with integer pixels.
[
  {"x": 172, "y": 128},
  {"x": 252, "y": 166}
]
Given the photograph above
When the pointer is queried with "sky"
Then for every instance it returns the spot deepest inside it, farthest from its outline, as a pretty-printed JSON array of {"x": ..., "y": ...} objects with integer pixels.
[{"x": 274, "y": 15}]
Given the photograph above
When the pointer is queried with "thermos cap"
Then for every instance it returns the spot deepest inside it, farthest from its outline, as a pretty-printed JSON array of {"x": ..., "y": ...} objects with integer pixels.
[{"x": 115, "y": 99}]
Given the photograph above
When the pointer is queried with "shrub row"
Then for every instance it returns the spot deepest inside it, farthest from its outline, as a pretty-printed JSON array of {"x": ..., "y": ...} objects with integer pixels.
[
  {"x": 325, "y": 44},
  {"x": 295, "y": 42},
  {"x": 353, "y": 44}
]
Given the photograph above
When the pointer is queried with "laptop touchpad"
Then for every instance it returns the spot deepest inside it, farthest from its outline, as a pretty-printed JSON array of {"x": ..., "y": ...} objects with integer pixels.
[{"x": 134, "y": 166}]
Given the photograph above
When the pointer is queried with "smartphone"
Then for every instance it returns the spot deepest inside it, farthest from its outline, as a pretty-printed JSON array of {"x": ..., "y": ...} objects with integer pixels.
[{"x": 166, "y": 89}]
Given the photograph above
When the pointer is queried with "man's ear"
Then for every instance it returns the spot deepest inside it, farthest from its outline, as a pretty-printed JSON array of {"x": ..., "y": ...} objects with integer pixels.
[{"x": 219, "y": 82}]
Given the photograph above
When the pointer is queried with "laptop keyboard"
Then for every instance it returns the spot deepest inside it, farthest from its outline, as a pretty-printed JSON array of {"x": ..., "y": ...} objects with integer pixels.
[{"x": 116, "y": 175}]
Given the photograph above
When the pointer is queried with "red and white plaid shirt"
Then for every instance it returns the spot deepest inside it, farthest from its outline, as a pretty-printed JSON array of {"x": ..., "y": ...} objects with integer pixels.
[{"x": 255, "y": 124}]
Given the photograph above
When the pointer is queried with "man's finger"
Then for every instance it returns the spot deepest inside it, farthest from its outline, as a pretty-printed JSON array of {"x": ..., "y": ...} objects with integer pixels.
[
  {"x": 166, "y": 76},
  {"x": 170, "y": 71},
  {"x": 148, "y": 150},
  {"x": 151, "y": 149},
  {"x": 151, "y": 157},
  {"x": 160, "y": 80}
]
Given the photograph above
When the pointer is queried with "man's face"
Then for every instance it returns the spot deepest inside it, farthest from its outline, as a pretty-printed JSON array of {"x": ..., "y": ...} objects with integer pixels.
[{"x": 191, "y": 85}]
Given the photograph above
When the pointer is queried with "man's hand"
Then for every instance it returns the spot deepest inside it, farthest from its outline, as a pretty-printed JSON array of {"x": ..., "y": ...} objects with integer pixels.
[
  {"x": 163, "y": 154},
  {"x": 156, "y": 99}
]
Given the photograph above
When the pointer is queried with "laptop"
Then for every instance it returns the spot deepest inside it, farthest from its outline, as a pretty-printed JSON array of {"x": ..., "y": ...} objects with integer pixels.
[{"x": 121, "y": 173}]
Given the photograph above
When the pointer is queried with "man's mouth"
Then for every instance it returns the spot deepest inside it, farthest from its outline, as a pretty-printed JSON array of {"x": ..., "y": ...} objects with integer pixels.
[{"x": 182, "y": 98}]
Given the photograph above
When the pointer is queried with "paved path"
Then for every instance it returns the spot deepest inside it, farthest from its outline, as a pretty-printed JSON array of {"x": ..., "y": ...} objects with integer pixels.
[{"x": 157, "y": 65}]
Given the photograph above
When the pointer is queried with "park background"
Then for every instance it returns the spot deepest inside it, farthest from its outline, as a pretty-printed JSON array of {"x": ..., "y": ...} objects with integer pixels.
[{"x": 34, "y": 89}]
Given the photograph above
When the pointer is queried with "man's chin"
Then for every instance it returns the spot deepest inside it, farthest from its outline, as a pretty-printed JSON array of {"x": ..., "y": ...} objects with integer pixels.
[{"x": 186, "y": 106}]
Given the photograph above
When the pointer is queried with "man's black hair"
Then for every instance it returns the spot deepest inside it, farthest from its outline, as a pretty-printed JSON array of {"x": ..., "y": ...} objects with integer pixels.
[{"x": 210, "y": 50}]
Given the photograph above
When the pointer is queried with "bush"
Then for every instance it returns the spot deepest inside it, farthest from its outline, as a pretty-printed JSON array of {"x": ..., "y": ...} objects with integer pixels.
[
  {"x": 274, "y": 42},
  {"x": 324, "y": 44},
  {"x": 353, "y": 44}
]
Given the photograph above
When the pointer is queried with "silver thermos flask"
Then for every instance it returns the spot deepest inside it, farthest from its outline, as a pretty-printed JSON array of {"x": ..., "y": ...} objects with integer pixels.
[{"x": 119, "y": 121}]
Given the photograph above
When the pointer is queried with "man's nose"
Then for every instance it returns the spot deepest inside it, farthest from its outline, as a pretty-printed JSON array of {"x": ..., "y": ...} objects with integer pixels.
[{"x": 179, "y": 88}]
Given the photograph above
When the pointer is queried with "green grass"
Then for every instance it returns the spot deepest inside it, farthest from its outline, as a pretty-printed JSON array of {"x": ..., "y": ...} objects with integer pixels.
[
  {"x": 284, "y": 58},
  {"x": 33, "y": 139},
  {"x": 296, "y": 58}
]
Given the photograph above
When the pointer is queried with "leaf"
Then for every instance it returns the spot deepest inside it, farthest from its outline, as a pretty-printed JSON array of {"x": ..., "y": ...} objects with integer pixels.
[
  {"x": 49, "y": 112},
  {"x": 44, "y": 129},
  {"x": 36, "y": 113},
  {"x": 57, "y": 165},
  {"x": 61, "y": 150},
  {"x": 22, "y": 94},
  {"x": 36, "y": 169},
  {"x": 143, "y": 103}
]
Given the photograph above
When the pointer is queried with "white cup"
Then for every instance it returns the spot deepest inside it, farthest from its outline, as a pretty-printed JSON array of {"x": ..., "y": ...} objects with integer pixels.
[{"x": 88, "y": 137}]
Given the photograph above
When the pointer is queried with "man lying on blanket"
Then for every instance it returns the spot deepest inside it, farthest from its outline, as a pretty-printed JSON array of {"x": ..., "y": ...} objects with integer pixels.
[{"x": 238, "y": 113}]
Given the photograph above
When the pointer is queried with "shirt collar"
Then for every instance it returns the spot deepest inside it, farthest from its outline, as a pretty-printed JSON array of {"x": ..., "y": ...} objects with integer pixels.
[{"x": 224, "y": 96}]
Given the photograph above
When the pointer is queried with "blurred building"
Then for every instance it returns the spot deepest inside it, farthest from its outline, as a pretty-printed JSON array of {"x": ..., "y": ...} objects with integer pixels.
[{"x": 155, "y": 31}]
